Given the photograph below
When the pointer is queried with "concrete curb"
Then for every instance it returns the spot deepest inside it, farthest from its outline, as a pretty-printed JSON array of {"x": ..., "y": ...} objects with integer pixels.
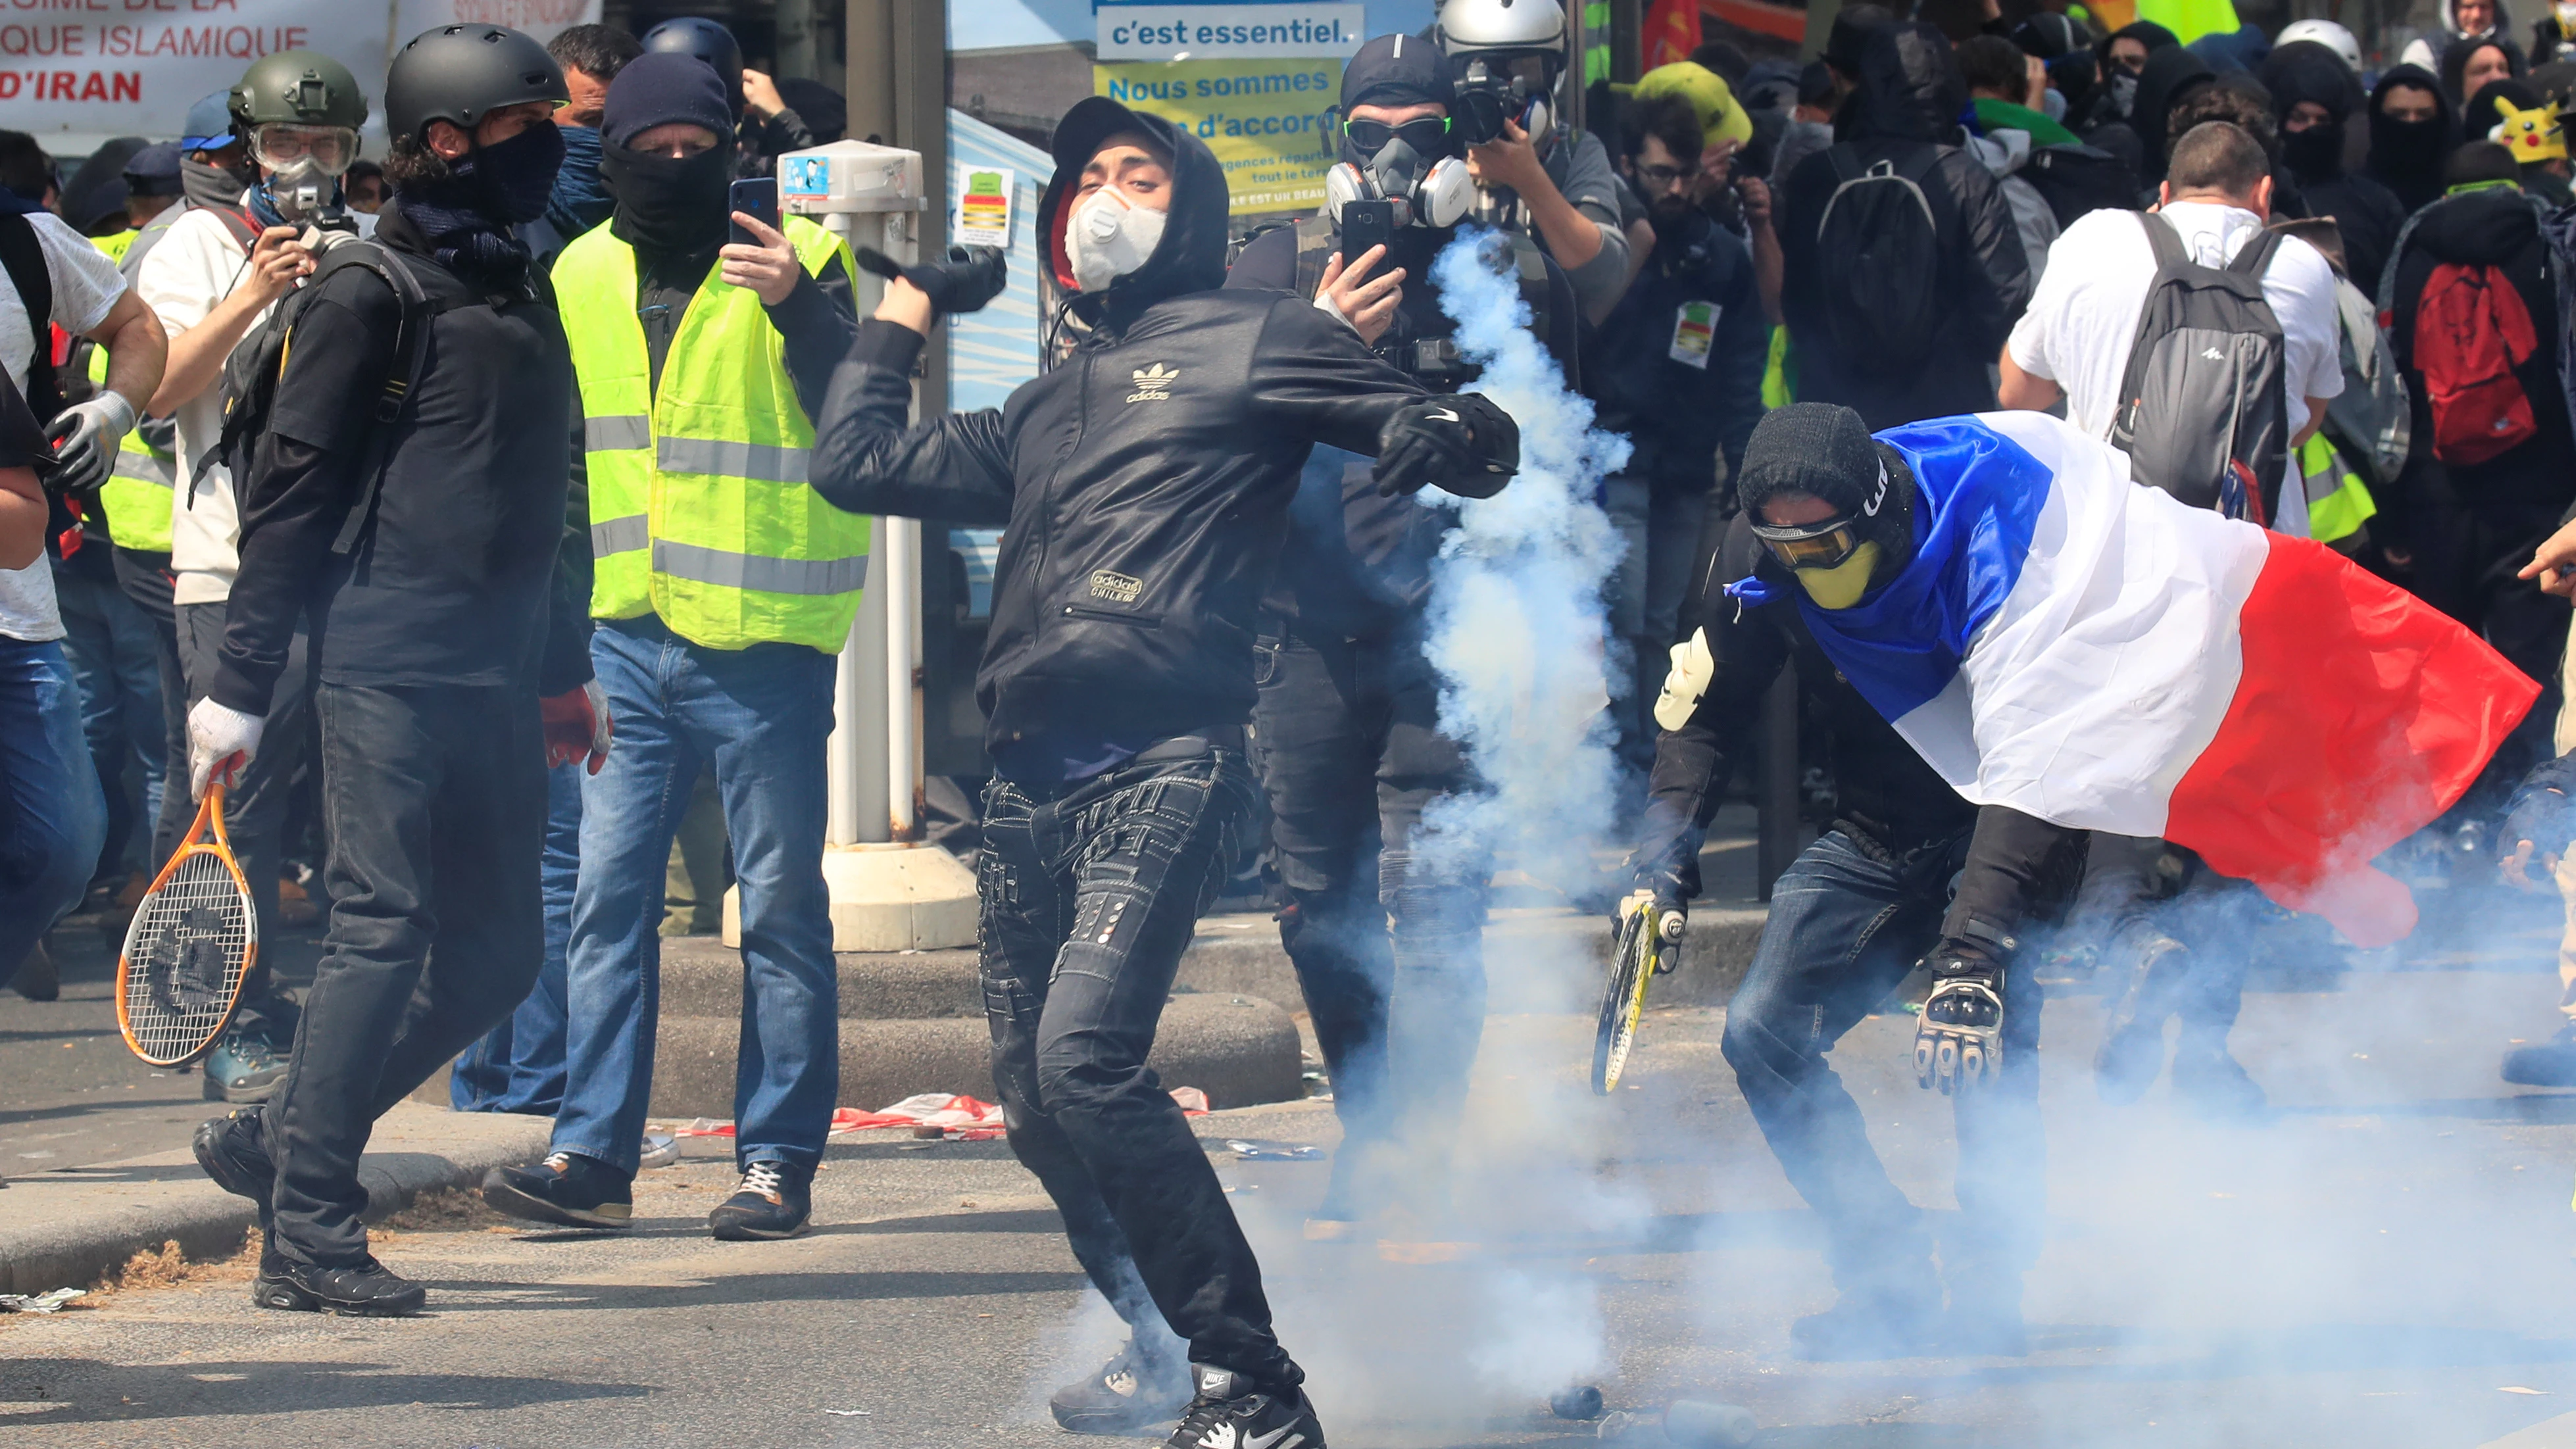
[{"x": 71, "y": 1228}]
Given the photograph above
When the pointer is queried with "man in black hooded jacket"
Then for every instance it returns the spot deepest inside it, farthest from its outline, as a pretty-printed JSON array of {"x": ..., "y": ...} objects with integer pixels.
[
  {"x": 1905, "y": 113},
  {"x": 1143, "y": 485},
  {"x": 2314, "y": 97},
  {"x": 1907, "y": 870},
  {"x": 2413, "y": 130}
]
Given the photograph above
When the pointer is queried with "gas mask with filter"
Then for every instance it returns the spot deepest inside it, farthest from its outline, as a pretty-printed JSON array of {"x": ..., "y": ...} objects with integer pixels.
[
  {"x": 304, "y": 165},
  {"x": 1410, "y": 164}
]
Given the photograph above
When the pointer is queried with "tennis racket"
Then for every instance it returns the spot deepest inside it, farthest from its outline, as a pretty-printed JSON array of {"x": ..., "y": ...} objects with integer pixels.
[
  {"x": 188, "y": 948},
  {"x": 1623, "y": 1002}
]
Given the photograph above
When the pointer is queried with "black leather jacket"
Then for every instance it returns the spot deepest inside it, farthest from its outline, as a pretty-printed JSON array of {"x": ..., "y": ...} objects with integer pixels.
[{"x": 1142, "y": 485}]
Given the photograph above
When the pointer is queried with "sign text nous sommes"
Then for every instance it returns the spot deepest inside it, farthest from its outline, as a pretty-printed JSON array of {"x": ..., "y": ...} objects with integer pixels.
[{"x": 1229, "y": 32}]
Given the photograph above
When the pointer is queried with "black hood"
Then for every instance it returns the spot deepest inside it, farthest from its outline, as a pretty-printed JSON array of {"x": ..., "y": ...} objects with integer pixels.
[
  {"x": 2407, "y": 159},
  {"x": 1910, "y": 88},
  {"x": 2483, "y": 115},
  {"x": 1191, "y": 255},
  {"x": 2306, "y": 71},
  {"x": 2478, "y": 228},
  {"x": 2171, "y": 74},
  {"x": 2455, "y": 63}
]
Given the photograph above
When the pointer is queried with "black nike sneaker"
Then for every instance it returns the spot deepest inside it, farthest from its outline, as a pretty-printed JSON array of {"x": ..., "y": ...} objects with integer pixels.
[
  {"x": 776, "y": 1200},
  {"x": 566, "y": 1189},
  {"x": 1231, "y": 1412},
  {"x": 364, "y": 1290},
  {"x": 233, "y": 1151},
  {"x": 1134, "y": 1390}
]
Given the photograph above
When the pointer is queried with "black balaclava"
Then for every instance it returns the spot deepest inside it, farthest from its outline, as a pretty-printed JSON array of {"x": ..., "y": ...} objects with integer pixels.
[
  {"x": 2306, "y": 71},
  {"x": 2119, "y": 85},
  {"x": 2407, "y": 156},
  {"x": 1397, "y": 71},
  {"x": 1825, "y": 450},
  {"x": 667, "y": 206}
]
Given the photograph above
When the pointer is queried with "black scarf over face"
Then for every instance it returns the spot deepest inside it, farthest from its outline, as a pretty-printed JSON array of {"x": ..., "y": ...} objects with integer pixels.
[
  {"x": 2407, "y": 156},
  {"x": 668, "y": 206}
]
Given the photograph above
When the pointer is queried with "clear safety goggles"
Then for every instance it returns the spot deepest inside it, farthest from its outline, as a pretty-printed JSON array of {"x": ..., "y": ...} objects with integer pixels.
[
  {"x": 279, "y": 146},
  {"x": 1812, "y": 545}
]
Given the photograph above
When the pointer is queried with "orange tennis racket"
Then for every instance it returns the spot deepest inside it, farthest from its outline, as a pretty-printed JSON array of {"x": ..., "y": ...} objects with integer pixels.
[{"x": 189, "y": 946}]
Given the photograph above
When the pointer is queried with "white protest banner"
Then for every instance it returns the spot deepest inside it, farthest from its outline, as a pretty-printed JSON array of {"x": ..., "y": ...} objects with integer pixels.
[
  {"x": 1226, "y": 30},
  {"x": 74, "y": 72}
]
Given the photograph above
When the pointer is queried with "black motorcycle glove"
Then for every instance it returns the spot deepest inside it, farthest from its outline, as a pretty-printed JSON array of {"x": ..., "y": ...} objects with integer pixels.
[
  {"x": 1461, "y": 443},
  {"x": 964, "y": 279},
  {"x": 1958, "y": 1045}
]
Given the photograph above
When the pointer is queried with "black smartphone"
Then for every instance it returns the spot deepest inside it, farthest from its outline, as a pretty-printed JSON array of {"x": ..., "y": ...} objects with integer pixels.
[
  {"x": 752, "y": 196},
  {"x": 1365, "y": 224}
]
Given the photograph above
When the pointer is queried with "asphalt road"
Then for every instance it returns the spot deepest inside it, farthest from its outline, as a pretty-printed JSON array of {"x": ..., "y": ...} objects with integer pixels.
[{"x": 2382, "y": 1262}]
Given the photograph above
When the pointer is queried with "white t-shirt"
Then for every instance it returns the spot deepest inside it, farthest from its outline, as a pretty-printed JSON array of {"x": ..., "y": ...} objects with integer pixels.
[
  {"x": 2084, "y": 313},
  {"x": 86, "y": 286},
  {"x": 185, "y": 276}
]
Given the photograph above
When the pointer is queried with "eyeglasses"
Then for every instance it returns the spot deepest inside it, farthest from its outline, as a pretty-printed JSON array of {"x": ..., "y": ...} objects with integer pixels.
[
  {"x": 1812, "y": 545},
  {"x": 1661, "y": 177},
  {"x": 279, "y": 146},
  {"x": 1427, "y": 135}
]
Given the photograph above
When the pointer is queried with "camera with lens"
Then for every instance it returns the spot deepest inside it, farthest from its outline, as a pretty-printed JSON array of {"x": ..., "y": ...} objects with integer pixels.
[{"x": 1488, "y": 93}]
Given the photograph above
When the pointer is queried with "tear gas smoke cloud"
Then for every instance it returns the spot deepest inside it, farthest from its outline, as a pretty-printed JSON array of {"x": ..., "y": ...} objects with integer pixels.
[{"x": 1516, "y": 624}]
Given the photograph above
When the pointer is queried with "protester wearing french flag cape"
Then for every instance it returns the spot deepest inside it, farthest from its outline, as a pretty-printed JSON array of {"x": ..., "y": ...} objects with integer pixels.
[{"x": 2055, "y": 639}]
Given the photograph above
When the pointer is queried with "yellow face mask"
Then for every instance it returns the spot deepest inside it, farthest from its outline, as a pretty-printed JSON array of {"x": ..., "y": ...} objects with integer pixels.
[{"x": 1841, "y": 586}]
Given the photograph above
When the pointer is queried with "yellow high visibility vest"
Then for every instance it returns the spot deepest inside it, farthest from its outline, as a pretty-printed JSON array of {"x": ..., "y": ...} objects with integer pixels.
[
  {"x": 699, "y": 507},
  {"x": 2339, "y": 503},
  {"x": 144, "y": 482}
]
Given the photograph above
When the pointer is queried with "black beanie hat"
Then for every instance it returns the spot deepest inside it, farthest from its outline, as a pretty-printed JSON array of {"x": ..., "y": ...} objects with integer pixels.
[
  {"x": 1397, "y": 71},
  {"x": 660, "y": 88},
  {"x": 1825, "y": 451}
]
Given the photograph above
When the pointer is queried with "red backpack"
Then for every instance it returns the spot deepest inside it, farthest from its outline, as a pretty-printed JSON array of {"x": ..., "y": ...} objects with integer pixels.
[{"x": 2471, "y": 332}]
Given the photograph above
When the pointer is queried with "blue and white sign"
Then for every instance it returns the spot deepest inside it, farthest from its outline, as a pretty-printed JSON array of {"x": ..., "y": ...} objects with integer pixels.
[{"x": 1229, "y": 31}]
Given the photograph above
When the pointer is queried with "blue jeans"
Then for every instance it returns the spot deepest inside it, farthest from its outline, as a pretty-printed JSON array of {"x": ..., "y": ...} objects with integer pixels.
[
  {"x": 1847, "y": 923},
  {"x": 518, "y": 1066},
  {"x": 761, "y": 714},
  {"x": 108, "y": 640},
  {"x": 52, "y": 815}
]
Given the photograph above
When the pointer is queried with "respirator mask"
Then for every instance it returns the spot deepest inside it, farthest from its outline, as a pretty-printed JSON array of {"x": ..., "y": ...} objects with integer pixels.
[
  {"x": 1107, "y": 236},
  {"x": 1494, "y": 86},
  {"x": 305, "y": 164},
  {"x": 1407, "y": 164}
]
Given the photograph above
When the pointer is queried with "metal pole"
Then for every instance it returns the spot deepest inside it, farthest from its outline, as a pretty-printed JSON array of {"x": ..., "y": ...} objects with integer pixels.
[{"x": 857, "y": 811}]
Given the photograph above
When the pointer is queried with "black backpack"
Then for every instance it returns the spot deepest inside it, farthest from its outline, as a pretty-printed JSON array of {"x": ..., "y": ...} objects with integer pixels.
[
  {"x": 252, "y": 371},
  {"x": 1882, "y": 262},
  {"x": 2074, "y": 180},
  {"x": 2204, "y": 406}
]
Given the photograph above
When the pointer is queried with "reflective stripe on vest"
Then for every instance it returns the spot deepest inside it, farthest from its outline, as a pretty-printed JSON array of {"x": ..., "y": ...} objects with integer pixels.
[
  {"x": 143, "y": 483},
  {"x": 701, "y": 513},
  {"x": 2339, "y": 503}
]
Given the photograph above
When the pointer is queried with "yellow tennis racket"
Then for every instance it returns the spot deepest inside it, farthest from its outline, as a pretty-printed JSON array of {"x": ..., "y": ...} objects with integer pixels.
[
  {"x": 1639, "y": 960},
  {"x": 189, "y": 946}
]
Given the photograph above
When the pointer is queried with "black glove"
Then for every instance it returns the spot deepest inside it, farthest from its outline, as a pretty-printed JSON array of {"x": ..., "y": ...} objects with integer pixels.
[
  {"x": 1958, "y": 1045},
  {"x": 1461, "y": 443},
  {"x": 963, "y": 280}
]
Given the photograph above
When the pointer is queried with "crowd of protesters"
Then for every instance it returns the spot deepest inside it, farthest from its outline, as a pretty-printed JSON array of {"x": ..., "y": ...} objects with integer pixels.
[{"x": 480, "y": 689}]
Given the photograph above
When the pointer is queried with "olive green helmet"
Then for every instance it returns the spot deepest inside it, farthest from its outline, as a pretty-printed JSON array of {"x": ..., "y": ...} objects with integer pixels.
[{"x": 297, "y": 88}]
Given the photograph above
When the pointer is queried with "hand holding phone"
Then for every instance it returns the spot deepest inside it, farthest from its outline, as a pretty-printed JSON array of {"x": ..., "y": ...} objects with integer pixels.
[{"x": 754, "y": 196}]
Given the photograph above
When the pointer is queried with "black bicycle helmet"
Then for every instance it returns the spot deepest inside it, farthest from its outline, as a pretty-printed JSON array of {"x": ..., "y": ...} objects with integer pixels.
[
  {"x": 460, "y": 73},
  {"x": 708, "y": 41}
]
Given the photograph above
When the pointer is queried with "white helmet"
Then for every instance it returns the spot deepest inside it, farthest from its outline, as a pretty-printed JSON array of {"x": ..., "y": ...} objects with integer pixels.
[
  {"x": 2328, "y": 34},
  {"x": 1500, "y": 25}
]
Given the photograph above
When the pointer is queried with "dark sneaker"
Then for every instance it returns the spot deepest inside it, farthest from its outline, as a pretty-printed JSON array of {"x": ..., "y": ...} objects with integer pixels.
[
  {"x": 366, "y": 1290},
  {"x": 233, "y": 1151},
  {"x": 244, "y": 1068},
  {"x": 567, "y": 1189},
  {"x": 1132, "y": 1392},
  {"x": 2213, "y": 1085},
  {"x": 2550, "y": 1064},
  {"x": 775, "y": 1201},
  {"x": 38, "y": 979},
  {"x": 1231, "y": 1412},
  {"x": 2133, "y": 1033},
  {"x": 1867, "y": 1326}
]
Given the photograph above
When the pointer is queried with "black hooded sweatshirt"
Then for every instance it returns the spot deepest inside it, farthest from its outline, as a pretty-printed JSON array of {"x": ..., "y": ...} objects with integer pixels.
[
  {"x": 2407, "y": 156},
  {"x": 2171, "y": 74},
  {"x": 1909, "y": 99},
  {"x": 2367, "y": 213},
  {"x": 1142, "y": 484}
]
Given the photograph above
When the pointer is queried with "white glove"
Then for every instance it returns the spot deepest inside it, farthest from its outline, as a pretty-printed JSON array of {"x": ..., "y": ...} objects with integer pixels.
[
  {"x": 219, "y": 737},
  {"x": 85, "y": 436}
]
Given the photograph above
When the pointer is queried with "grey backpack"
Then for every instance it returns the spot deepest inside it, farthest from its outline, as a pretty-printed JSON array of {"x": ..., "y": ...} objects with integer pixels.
[{"x": 2204, "y": 406}]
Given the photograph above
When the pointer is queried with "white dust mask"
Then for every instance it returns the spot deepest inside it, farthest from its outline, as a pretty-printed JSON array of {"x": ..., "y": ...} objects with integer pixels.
[{"x": 1108, "y": 236}]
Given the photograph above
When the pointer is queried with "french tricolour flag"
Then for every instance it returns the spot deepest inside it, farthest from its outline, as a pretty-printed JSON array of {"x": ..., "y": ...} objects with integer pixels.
[{"x": 2092, "y": 652}]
